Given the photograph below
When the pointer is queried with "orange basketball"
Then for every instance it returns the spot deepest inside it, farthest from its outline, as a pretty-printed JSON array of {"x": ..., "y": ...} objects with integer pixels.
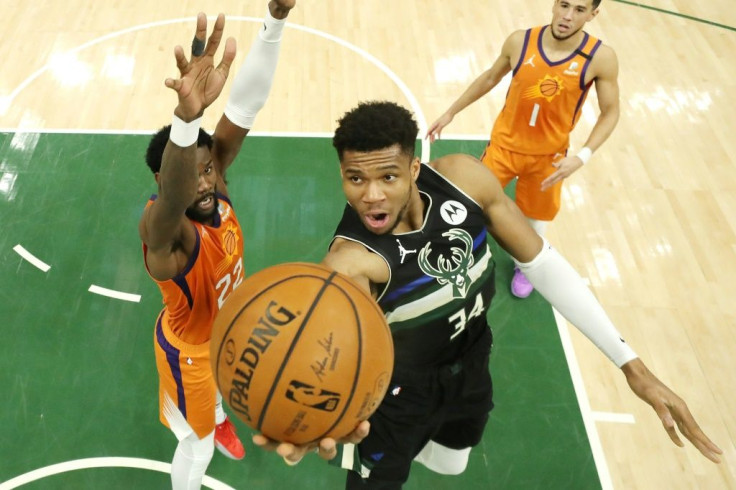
[{"x": 300, "y": 352}]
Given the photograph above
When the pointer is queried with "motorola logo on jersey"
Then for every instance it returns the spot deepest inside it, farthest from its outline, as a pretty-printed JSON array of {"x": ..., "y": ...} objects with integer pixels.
[{"x": 453, "y": 212}]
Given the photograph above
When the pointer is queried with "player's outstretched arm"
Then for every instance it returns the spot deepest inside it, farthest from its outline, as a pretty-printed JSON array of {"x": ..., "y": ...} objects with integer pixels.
[
  {"x": 251, "y": 86},
  {"x": 163, "y": 224},
  {"x": 563, "y": 287},
  {"x": 479, "y": 87}
]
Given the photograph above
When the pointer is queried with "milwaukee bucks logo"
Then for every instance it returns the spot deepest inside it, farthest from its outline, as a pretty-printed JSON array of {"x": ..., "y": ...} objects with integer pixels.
[{"x": 453, "y": 270}]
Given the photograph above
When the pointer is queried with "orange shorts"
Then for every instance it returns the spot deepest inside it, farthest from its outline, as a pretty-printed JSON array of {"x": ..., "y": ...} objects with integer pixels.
[
  {"x": 531, "y": 170},
  {"x": 185, "y": 378}
]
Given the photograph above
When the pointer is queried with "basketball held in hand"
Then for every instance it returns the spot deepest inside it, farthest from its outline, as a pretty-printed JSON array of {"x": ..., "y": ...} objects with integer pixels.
[{"x": 300, "y": 353}]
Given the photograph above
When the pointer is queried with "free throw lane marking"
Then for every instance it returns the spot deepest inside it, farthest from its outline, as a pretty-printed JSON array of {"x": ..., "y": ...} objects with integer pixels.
[
  {"x": 111, "y": 293},
  {"x": 31, "y": 258}
]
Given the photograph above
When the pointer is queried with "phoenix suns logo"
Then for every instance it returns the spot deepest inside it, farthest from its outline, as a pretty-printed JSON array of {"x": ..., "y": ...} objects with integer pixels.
[
  {"x": 454, "y": 270},
  {"x": 229, "y": 245},
  {"x": 547, "y": 88}
]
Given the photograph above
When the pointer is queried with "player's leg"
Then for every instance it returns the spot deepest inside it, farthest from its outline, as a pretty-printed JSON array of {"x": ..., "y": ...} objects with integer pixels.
[
  {"x": 400, "y": 427},
  {"x": 186, "y": 404},
  {"x": 442, "y": 459},
  {"x": 468, "y": 412},
  {"x": 500, "y": 162},
  {"x": 191, "y": 459},
  {"x": 540, "y": 207}
]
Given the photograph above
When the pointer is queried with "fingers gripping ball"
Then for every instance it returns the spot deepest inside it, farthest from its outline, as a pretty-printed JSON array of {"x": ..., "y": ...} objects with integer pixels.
[{"x": 300, "y": 353}]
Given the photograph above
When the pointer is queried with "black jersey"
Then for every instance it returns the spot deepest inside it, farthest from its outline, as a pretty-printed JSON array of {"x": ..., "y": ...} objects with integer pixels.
[{"x": 441, "y": 276}]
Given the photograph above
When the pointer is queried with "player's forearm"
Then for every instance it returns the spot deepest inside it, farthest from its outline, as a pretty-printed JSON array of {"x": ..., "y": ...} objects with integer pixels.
[
  {"x": 563, "y": 287},
  {"x": 178, "y": 176},
  {"x": 254, "y": 79},
  {"x": 603, "y": 128},
  {"x": 480, "y": 86}
]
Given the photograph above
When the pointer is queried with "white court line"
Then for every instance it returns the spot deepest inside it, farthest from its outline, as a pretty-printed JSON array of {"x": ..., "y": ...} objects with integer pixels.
[
  {"x": 618, "y": 418},
  {"x": 31, "y": 258},
  {"x": 588, "y": 420},
  {"x": 111, "y": 293},
  {"x": 149, "y": 132},
  {"x": 415, "y": 107},
  {"x": 110, "y": 462}
]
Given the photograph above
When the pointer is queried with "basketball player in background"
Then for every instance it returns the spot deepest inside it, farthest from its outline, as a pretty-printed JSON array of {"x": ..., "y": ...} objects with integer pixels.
[
  {"x": 553, "y": 68},
  {"x": 435, "y": 287},
  {"x": 192, "y": 241}
]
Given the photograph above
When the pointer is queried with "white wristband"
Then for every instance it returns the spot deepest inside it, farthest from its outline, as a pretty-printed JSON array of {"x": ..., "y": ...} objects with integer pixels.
[
  {"x": 584, "y": 154},
  {"x": 184, "y": 133}
]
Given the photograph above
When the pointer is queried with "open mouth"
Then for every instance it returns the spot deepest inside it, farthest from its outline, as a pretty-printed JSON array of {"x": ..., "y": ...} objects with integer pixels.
[
  {"x": 376, "y": 220},
  {"x": 206, "y": 202}
]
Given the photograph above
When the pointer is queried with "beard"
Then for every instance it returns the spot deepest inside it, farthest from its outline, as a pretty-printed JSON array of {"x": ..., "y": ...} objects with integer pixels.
[{"x": 193, "y": 212}]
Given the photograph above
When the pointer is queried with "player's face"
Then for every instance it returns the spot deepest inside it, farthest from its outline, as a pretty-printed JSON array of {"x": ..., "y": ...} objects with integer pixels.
[
  {"x": 204, "y": 206},
  {"x": 378, "y": 185},
  {"x": 569, "y": 16}
]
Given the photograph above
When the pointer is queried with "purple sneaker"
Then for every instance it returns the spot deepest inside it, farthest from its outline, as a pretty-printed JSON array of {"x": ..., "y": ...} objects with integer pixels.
[{"x": 520, "y": 285}]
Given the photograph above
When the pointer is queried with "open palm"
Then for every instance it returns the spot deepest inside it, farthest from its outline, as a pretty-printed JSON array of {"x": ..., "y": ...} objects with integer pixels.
[{"x": 201, "y": 82}]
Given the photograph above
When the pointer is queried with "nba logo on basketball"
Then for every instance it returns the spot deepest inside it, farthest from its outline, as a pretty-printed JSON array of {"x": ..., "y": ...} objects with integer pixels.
[{"x": 312, "y": 397}]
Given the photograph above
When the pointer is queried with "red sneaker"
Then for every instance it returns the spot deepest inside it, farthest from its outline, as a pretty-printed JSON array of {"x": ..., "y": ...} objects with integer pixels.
[{"x": 227, "y": 442}]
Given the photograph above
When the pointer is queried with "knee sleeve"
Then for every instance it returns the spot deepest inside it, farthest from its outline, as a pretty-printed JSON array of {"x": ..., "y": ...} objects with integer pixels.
[
  {"x": 443, "y": 460},
  {"x": 191, "y": 459}
]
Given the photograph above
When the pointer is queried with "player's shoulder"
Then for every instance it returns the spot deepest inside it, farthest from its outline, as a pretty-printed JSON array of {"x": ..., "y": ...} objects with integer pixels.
[
  {"x": 453, "y": 165},
  {"x": 515, "y": 39},
  {"x": 468, "y": 174},
  {"x": 604, "y": 62}
]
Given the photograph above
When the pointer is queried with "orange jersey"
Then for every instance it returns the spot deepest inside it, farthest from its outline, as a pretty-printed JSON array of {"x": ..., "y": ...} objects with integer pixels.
[
  {"x": 545, "y": 98},
  {"x": 193, "y": 298}
]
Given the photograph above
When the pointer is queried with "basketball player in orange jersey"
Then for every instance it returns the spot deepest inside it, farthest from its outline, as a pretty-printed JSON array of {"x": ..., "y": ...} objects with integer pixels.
[
  {"x": 553, "y": 68},
  {"x": 192, "y": 241}
]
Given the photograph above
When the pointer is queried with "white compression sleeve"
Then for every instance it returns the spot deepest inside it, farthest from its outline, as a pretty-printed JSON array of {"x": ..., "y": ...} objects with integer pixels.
[
  {"x": 562, "y": 286},
  {"x": 255, "y": 77},
  {"x": 190, "y": 461}
]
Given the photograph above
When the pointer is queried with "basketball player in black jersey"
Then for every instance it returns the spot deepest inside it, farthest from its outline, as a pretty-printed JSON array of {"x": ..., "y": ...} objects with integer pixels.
[{"x": 415, "y": 235}]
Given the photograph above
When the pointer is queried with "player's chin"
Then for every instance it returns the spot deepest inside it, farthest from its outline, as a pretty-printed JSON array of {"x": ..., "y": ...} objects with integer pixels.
[
  {"x": 378, "y": 230},
  {"x": 196, "y": 214}
]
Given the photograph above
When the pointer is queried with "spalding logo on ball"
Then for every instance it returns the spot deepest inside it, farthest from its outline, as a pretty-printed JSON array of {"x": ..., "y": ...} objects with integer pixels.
[{"x": 300, "y": 352}]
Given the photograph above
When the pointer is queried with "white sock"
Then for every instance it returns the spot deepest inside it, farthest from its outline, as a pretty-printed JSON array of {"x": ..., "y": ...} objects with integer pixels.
[
  {"x": 442, "y": 459},
  {"x": 220, "y": 415},
  {"x": 190, "y": 462},
  {"x": 539, "y": 226}
]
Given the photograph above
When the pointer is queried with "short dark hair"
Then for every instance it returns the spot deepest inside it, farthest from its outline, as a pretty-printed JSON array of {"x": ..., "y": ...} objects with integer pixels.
[
  {"x": 155, "y": 150},
  {"x": 596, "y": 3},
  {"x": 375, "y": 125}
]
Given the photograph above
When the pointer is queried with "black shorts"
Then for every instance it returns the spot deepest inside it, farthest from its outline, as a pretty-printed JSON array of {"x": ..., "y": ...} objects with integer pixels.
[{"x": 448, "y": 405}]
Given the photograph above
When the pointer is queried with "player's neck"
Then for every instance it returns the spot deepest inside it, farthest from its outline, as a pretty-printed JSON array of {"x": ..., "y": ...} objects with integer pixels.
[
  {"x": 413, "y": 218},
  {"x": 552, "y": 44}
]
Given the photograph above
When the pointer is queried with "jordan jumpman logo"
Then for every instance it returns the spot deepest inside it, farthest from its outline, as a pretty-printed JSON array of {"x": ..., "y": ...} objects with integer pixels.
[{"x": 404, "y": 252}]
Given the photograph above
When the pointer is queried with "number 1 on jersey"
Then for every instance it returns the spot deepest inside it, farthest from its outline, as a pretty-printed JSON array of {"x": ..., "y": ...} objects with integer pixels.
[{"x": 535, "y": 113}]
